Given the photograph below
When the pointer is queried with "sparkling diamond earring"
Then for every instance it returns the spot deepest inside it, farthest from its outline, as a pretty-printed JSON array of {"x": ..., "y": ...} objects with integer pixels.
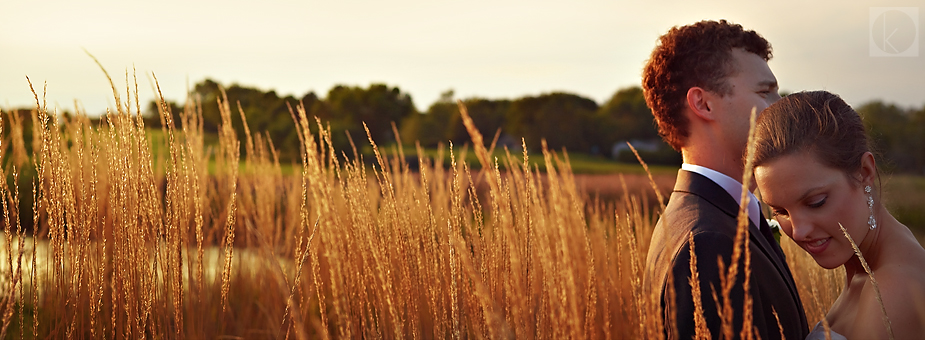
[{"x": 871, "y": 222}]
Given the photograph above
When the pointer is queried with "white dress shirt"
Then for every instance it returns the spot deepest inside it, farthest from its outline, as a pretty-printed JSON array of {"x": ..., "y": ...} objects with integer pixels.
[{"x": 732, "y": 186}]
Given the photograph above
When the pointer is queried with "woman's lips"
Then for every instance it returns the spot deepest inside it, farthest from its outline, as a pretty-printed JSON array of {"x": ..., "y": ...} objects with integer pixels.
[{"x": 817, "y": 246}]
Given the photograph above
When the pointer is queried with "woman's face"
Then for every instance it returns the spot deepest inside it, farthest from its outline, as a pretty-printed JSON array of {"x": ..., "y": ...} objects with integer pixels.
[{"x": 810, "y": 199}]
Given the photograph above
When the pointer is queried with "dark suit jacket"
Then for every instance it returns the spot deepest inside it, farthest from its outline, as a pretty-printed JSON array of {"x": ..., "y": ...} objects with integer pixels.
[{"x": 700, "y": 206}]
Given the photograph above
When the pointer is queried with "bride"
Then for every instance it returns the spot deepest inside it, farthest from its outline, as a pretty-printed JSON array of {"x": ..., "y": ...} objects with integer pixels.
[{"x": 815, "y": 170}]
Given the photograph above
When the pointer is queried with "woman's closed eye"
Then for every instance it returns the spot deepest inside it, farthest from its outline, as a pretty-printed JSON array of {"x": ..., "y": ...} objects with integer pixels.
[
  {"x": 780, "y": 212},
  {"x": 818, "y": 203}
]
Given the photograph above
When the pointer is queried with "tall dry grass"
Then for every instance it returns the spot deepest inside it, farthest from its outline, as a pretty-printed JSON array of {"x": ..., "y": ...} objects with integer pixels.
[{"x": 201, "y": 241}]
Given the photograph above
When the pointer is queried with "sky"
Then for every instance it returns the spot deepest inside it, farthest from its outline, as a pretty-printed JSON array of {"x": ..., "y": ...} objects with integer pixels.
[{"x": 489, "y": 49}]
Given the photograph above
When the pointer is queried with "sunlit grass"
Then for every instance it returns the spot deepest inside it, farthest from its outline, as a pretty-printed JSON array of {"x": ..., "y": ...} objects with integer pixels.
[{"x": 147, "y": 233}]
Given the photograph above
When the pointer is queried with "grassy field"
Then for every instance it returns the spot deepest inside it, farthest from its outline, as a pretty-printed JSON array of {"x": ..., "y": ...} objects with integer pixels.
[
  {"x": 158, "y": 235},
  {"x": 599, "y": 177},
  {"x": 904, "y": 196},
  {"x": 579, "y": 163}
]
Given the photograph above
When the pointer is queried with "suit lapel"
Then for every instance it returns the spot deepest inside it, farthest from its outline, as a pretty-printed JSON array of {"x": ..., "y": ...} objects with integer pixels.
[
  {"x": 702, "y": 186},
  {"x": 771, "y": 253}
]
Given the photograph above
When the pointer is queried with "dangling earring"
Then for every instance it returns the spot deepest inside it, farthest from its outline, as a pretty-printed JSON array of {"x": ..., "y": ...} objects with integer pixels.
[{"x": 871, "y": 222}]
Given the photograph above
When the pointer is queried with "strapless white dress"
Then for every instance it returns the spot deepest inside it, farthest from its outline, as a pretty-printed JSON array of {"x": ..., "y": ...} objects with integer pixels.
[{"x": 818, "y": 333}]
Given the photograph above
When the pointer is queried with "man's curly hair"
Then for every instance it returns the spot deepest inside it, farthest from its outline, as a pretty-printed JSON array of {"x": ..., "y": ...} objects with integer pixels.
[{"x": 694, "y": 55}]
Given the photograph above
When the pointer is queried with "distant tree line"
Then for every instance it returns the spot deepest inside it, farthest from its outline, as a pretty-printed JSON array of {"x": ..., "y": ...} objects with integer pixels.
[
  {"x": 345, "y": 109},
  {"x": 897, "y": 135},
  {"x": 564, "y": 120}
]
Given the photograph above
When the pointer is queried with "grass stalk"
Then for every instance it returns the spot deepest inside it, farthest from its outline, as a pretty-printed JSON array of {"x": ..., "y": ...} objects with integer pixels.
[{"x": 873, "y": 281}]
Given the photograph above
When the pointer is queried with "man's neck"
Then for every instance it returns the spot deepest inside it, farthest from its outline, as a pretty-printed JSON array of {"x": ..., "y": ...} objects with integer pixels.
[
  {"x": 731, "y": 186},
  {"x": 716, "y": 161}
]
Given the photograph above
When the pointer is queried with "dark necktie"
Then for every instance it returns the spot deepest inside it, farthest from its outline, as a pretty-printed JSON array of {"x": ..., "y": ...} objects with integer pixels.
[{"x": 766, "y": 231}]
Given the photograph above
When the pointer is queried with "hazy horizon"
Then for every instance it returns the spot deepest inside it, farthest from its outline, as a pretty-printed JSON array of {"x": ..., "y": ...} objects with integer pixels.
[{"x": 477, "y": 48}]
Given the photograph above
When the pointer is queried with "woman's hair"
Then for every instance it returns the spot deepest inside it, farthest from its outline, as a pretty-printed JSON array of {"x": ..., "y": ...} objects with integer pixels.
[{"x": 815, "y": 121}]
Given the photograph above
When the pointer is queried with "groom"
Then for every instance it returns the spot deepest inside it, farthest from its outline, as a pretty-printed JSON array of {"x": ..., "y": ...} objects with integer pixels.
[{"x": 701, "y": 83}]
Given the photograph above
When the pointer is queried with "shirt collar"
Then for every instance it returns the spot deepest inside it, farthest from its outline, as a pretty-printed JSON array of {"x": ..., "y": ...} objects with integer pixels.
[{"x": 732, "y": 186}]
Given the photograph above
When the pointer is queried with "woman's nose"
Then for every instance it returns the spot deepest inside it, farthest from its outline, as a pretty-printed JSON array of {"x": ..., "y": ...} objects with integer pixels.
[{"x": 800, "y": 229}]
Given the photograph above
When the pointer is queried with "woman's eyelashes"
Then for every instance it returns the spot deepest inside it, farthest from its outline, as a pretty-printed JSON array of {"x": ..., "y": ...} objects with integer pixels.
[
  {"x": 780, "y": 212},
  {"x": 818, "y": 203}
]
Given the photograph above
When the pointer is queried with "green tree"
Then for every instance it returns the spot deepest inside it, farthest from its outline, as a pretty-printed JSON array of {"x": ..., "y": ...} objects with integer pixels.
[
  {"x": 152, "y": 115},
  {"x": 378, "y": 106},
  {"x": 432, "y": 127},
  {"x": 894, "y": 132},
  {"x": 562, "y": 119},
  {"x": 487, "y": 115},
  {"x": 916, "y": 149},
  {"x": 207, "y": 92},
  {"x": 442, "y": 122},
  {"x": 626, "y": 117},
  {"x": 265, "y": 111}
]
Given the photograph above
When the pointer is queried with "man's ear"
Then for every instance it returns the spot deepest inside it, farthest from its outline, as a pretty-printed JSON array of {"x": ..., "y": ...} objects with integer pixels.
[{"x": 699, "y": 101}]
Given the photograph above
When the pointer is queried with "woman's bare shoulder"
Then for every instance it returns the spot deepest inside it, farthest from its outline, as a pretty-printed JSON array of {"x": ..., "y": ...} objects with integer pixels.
[{"x": 902, "y": 292}]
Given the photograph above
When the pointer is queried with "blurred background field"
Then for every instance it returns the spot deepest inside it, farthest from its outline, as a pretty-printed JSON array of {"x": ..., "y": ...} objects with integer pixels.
[
  {"x": 142, "y": 232},
  {"x": 248, "y": 200},
  {"x": 243, "y": 214}
]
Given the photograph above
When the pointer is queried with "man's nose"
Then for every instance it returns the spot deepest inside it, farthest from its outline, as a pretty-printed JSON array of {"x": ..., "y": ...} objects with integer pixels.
[{"x": 773, "y": 97}]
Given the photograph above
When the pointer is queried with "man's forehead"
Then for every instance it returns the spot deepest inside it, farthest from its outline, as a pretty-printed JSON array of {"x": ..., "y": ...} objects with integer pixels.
[{"x": 752, "y": 67}]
